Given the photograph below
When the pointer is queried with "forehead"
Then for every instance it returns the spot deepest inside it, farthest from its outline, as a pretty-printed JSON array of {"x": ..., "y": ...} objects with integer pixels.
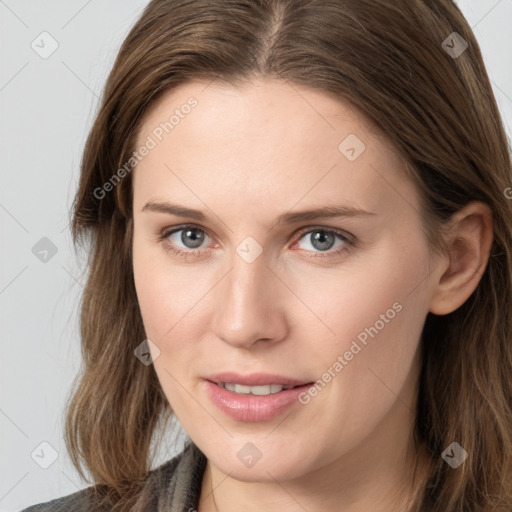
[
  {"x": 256, "y": 111},
  {"x": 267, "y": 139}
]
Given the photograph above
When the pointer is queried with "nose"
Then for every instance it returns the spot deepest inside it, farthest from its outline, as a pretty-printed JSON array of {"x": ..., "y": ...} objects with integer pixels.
[{"x": 250, "y": 305}]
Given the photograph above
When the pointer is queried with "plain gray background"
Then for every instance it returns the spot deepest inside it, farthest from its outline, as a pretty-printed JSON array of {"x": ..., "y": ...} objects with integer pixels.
[{"x": 47, "y": 106}]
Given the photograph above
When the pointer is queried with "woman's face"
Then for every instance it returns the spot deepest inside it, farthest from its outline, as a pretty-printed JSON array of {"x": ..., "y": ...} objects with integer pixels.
[{"x": 336, "y": 300}]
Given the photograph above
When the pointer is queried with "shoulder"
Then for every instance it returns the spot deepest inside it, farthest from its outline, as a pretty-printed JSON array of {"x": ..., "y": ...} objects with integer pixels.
[
  {"x": 157, "y": 479},
  {"x": 78, "y": 502}
]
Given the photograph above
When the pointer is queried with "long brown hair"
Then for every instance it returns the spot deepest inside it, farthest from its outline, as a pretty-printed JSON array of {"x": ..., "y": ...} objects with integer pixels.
[{"x": 389, "y": 59}]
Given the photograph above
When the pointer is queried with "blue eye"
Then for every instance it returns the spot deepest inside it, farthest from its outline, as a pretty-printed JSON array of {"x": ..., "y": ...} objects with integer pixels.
[
  {"x": 188, "y": 233},
  {"x": 321, "y": 239}
]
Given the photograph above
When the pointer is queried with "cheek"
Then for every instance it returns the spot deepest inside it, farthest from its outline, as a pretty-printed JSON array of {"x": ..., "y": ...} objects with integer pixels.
[
  {"x": 169, "y": 295},
  {"x": 156, "y": 294},
  {"x": 146, "y": 278},
  {"x": 162, "y": 294},
  {"x": 372, "y": 292},
  {"x": 376, "y": 312}
]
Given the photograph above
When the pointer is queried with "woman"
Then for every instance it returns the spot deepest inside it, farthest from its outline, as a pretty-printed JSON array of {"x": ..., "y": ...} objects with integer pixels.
[{"x": 300, "y": 247}]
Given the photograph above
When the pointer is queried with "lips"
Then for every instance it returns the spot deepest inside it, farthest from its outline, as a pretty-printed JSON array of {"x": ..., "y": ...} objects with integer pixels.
[
  {"x": 256, "y": 379},
  {"x": 253, "y": 408}
]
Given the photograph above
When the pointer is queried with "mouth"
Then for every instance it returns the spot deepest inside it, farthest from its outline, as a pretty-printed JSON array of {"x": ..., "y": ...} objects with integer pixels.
[
  {"x": 257, "y": 398},
  {"x": 259, "y": 384},
  {"x": 263, "y": 390}
]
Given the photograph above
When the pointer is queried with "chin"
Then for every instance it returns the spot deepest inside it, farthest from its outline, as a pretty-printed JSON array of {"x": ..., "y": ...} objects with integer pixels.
[{"x": 278, "y": 465}]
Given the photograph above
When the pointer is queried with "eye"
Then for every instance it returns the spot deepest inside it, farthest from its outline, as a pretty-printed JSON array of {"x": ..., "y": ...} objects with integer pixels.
[
  {"x": 320, "y": 239},
  {"x": 191, "y": 237},
  {"x": 324, "y": 239}
]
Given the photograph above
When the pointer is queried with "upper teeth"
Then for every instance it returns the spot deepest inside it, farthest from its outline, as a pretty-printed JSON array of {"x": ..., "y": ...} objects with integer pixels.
[{"x": 254, "y": 390}]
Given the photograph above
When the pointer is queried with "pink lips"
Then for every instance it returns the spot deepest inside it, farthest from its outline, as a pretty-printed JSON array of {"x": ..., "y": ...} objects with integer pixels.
[
  {"x": 254, "y": 407},
  {"x": 256, "y": 379}
]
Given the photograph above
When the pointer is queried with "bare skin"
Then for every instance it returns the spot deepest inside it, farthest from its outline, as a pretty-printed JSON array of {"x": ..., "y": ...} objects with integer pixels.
[{"x": 244, "y": 157}]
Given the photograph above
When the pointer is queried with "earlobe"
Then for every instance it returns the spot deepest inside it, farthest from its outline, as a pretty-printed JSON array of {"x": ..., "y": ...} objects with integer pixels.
[{"x": 469, "y": 243}]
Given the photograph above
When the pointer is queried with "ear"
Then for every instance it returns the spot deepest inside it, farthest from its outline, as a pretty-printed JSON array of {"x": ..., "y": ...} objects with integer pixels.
[{"x": 469, "y": 242}]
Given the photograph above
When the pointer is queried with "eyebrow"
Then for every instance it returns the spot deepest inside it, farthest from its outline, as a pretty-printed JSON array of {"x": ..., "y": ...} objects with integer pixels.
[{"x": 286, "y": 218}]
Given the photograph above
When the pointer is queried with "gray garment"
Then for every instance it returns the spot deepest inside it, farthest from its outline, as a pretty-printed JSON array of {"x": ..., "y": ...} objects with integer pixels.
[{"x": 172, "y": 487}]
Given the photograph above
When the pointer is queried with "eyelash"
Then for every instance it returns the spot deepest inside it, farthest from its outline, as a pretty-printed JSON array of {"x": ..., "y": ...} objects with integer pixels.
[{"x": 348, "y": 240}]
